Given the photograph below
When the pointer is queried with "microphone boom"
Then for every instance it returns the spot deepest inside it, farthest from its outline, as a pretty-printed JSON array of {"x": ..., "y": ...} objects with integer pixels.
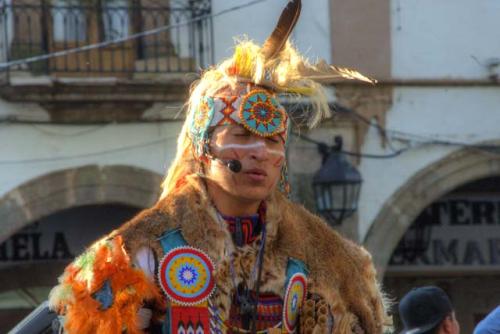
[{"x": 234, "y": 165}]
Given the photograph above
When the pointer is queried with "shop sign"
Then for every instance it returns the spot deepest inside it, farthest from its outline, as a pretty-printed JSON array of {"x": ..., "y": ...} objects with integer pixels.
[
  {"x": 34, "y": 246},
  {"x": 463, "y": 234},
  {"x": 52, "y": 240}
]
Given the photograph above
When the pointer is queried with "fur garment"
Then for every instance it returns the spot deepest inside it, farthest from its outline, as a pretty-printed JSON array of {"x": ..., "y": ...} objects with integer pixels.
[{"x": 340, "y": 272}]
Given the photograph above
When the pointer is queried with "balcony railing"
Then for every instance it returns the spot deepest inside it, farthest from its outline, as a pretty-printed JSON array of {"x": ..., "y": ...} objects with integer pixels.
[{"x": 35, "y": 27}]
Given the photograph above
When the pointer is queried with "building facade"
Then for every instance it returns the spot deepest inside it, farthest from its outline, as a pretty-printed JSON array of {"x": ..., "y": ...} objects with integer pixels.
[{"x": 85, "y": 138}]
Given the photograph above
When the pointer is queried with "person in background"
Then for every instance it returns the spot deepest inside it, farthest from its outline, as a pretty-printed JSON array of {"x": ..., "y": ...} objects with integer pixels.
[
  {"x": 427, "y": 310},
  {"x": 490, "y": 324}
]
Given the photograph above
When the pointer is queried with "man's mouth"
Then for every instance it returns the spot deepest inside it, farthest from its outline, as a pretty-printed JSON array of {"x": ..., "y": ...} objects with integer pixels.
[{"x": 256, "y": 174}]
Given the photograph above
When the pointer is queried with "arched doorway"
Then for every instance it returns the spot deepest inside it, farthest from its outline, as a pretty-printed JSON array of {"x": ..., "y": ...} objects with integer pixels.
[
  {"x": 454, "y": 243},
  {"x": 87, "y": 185},
  {"x": 425, "y": 187},
  {"x": 53, "y": 218}
]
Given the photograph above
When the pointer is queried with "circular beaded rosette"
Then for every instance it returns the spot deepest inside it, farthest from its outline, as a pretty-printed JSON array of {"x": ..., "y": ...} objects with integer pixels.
[
  {"x": 294, "y": 300},
  {"x": 185, "y": 275},
  {"x": 262, "y": 114}
]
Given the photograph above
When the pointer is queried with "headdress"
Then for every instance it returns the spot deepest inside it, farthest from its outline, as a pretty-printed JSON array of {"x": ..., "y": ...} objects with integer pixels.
[{"x": 244, "y": 90}]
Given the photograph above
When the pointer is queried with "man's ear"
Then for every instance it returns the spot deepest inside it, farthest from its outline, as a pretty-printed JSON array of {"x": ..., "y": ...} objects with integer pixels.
[{"x": 447, "y": 324}]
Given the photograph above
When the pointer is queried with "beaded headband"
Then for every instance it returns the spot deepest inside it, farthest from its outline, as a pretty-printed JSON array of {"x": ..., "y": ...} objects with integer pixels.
[{"x": 254, "y": 108}]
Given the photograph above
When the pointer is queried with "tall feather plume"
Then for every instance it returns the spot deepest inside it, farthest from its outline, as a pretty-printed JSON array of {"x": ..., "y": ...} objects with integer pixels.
[{"x": 277, "y": 40}]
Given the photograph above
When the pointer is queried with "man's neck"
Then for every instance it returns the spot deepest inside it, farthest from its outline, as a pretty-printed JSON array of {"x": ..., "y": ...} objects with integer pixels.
[{"x": 230, "y": 205}]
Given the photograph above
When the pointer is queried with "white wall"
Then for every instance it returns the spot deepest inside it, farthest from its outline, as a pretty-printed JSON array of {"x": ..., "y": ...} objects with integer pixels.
[
  {"x": 444, "y": 39},
  {"x": 311, "y": 35},
  {"x": 72, "y": 146},
  {"x": 441, "y": 40},
  {"x": 469, "y": 115}
]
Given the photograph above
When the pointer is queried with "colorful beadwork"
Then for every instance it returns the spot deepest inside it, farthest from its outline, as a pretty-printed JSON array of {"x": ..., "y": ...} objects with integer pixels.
[
  {"x": 200, "y": 122},
  {"x": 294, "y": 299},
  {"x": 185, "y": 274},
  {"x": 217, "y": 320},
  {"x": 269, "y": 312},
  {"x": 261, "y": 114},
  {"x": 203, "y": 117},
  {"x": 189, "y": 319},
  {"x": 227, "y": 111}
]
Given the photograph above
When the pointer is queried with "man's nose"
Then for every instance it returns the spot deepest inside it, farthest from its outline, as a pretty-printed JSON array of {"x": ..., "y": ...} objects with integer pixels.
[{"x": 259, "y": 151}]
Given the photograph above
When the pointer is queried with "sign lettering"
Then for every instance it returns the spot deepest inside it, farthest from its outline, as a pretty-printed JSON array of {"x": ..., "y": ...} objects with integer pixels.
[
  {"x": 27, "y": 247},
  {"x": 452, "y": 234}
]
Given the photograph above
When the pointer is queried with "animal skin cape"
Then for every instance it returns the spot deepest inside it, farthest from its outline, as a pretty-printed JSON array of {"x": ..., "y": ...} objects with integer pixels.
[{"x": 340, "y": 272}]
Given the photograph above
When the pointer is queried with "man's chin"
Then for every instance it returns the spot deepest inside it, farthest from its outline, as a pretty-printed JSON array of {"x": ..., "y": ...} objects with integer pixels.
[{"x": 253, "y": 195}]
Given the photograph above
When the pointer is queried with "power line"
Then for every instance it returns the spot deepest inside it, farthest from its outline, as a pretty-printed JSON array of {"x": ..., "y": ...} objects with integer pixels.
[
  {"x": 381, "y": 129},
  {"x": 83, "y": 132},
  {"x": 422, "y": 139},
  {"x": 495, "y": 149},
  {"x": 46, "y": 56},
  {"x": 87, "y": 155},
  {"x": 376, "y": 156},
  {"x": 17, "y": 121},
  {"x": 362, "y": 155}
]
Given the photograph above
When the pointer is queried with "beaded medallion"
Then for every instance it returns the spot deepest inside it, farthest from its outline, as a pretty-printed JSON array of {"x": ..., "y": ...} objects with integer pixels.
[
  {"x": 185, "y": 275},
  {"x": 261, "y": 113},
  {"x": 294, "y": 300}
]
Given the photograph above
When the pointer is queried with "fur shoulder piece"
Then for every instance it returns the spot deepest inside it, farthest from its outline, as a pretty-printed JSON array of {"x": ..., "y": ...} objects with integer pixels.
[
  {"x": 188, "y": 209},
  {"x": 341, "y": 271}
]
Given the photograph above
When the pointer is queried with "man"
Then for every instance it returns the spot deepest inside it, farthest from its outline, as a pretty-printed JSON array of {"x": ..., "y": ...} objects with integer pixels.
[
  {"x": 224, "y": 250},
  {"x": 490, "y": 324},
  {"x": 427, "y": 310}
]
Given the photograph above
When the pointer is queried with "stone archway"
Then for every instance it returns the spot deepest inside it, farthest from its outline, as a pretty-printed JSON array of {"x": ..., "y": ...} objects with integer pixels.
[
  {"x": 76, "y": 187},
  {"x": 403, "y": 207}
]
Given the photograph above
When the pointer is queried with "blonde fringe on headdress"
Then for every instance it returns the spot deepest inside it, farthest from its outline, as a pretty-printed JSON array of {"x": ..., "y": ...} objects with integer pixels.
[{"x": 287, "y": 73}]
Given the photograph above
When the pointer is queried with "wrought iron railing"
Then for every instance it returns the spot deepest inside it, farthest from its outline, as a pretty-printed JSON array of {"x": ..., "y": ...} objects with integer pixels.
[{"x": 36, "y": 27}]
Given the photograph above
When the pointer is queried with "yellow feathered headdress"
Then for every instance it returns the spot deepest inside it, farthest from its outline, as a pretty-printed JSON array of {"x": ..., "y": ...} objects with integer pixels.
[{"x": 276, "y": 66}]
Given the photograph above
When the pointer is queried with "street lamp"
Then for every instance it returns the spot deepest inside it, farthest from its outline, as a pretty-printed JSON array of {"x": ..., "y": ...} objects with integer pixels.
[{"x": 336, "y": 185}]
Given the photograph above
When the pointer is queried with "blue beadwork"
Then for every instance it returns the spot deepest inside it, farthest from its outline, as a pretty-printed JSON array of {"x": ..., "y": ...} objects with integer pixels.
[
  {"x": 172, "y": 239},
  {"x": 104, "y": 295},
  {"x": 188, "y": 275},
  {"x": 200, "y": 122},
  {"x": 262, "y": 114}
]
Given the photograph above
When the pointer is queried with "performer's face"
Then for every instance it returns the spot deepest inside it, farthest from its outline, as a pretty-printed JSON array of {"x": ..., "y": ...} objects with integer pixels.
[{"x": 261, "y": 160}]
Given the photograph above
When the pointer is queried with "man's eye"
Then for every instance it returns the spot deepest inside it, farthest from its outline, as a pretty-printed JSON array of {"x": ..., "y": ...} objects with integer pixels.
[
  {"x": 242, "y": 134},
  {"x": 273, "y": 139}
]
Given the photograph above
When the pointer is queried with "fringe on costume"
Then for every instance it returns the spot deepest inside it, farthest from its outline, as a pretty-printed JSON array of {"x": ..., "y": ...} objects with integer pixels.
[{"x": 105, "y": 261}]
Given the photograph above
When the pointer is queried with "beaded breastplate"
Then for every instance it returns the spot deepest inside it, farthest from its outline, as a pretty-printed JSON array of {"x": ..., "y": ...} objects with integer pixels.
[{"x": 185, "y": 275}]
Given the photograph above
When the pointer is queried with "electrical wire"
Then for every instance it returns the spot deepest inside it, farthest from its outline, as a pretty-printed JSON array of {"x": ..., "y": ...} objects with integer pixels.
[
  {"x": 47, "y": 132},
  {"x": 381, "y": 129},
  {"x": 362, "y": 155},
  {"x": 390, "y": 134},
  {"x": 16, "y": 121},
  {"x": 158, "y": 30},
  {"x": 87, "y": 155}
]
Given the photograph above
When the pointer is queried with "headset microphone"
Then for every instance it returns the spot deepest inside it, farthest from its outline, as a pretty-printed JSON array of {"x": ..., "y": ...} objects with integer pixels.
[{"x": 233, "y": 165}]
